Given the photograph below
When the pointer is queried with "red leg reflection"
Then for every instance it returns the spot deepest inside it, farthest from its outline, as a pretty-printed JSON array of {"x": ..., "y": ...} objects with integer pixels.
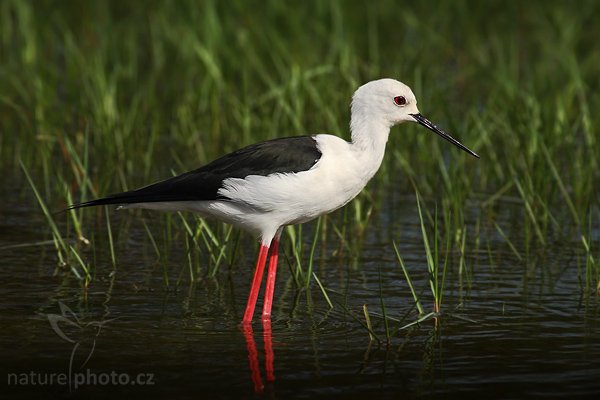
[
  {"x": 253, "y": 358},
  {"x": 269, "y": 355}
]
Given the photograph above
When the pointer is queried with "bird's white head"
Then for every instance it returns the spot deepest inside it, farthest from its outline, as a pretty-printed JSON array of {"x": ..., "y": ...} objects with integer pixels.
[{"x": 387, "y": 102}]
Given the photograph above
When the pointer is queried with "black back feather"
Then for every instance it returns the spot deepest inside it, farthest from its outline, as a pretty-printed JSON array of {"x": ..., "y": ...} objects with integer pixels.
[{"x": 283, "y": 155}]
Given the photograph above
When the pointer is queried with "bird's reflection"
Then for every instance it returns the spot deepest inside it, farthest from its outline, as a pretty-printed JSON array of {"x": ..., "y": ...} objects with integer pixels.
[
  {"x": 269, "y": 355},
  {"x": 255, "y": 374}
]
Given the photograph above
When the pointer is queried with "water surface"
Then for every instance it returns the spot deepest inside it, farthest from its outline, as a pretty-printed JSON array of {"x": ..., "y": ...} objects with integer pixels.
[{"x": 509, "y": 328}]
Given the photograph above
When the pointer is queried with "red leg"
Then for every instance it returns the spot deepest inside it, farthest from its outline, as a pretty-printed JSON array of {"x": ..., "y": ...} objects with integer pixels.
[
  {"x": 258, "y": 274},
  {"x": 270, "y": 288}
]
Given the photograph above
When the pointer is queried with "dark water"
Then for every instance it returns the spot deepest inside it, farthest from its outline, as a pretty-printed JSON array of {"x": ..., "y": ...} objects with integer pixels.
[{"x": 509, "y": 329}]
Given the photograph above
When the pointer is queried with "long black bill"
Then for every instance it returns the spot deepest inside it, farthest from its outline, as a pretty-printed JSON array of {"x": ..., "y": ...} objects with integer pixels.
[{"x": 429, "y": 125}]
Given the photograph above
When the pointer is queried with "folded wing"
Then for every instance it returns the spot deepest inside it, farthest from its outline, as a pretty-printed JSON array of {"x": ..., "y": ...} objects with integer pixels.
[{"x": 283, "y": 155}]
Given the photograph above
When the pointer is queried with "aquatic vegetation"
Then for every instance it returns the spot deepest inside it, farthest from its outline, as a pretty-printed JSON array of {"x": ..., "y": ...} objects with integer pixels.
[{"x": 104, "y": 97}]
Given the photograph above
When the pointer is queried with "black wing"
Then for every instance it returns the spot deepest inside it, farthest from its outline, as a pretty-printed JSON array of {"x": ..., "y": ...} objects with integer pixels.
[{"x": 292, "y": 154}]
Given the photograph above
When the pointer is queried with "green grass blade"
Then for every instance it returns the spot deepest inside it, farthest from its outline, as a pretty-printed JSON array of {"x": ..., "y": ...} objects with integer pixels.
[{"x": 408, "y": 280}]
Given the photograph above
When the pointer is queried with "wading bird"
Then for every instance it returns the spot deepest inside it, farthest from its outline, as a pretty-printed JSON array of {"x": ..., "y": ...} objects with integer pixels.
[{"x": 266, "y": 186}]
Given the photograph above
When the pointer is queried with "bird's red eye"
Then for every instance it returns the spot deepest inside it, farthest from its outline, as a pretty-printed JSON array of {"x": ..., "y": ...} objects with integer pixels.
[{"x": 400, "y": 100}]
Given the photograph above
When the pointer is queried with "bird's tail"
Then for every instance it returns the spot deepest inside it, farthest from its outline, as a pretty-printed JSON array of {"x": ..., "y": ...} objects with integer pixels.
[
  {"x": 179, "y": 188},
  {"x": 114, "y": 199}
]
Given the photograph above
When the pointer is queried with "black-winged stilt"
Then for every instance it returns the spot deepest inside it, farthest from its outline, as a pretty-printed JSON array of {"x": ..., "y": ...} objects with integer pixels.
[{"x": 266, "y": 186}]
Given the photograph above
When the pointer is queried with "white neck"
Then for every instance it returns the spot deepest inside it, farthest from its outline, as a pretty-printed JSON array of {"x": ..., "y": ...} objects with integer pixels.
[
  {"x": 369, "y": 137},
  {"x": 369, "y": 131}
]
